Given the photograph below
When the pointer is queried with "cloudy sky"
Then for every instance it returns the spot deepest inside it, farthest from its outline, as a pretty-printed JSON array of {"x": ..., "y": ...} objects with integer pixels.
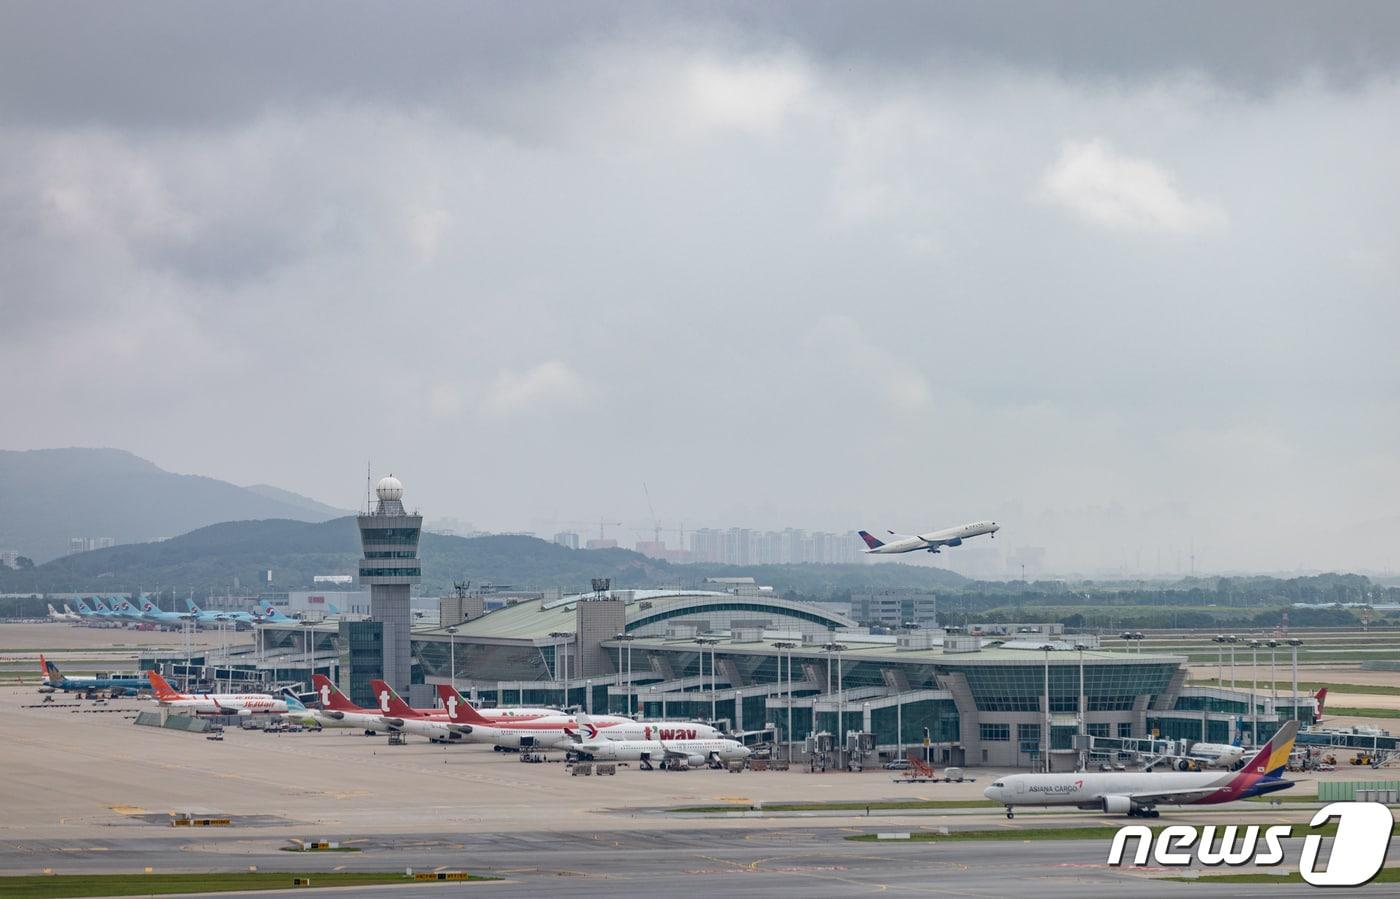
[{"x": 1124, "y": 276}]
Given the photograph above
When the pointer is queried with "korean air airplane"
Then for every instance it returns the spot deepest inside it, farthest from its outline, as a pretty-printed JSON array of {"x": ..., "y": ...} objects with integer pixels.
[
  {"x": 152, "y": 612},
  {"x": 267, "y": 612},
  {"x": 216, "y": 616},
  {"x": 122, "y": 608},
  {"x": 931, "y": 542}
]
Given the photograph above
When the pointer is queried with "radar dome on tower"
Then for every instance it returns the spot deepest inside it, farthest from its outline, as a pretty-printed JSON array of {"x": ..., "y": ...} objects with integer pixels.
[{"x": 389, "y": 489}]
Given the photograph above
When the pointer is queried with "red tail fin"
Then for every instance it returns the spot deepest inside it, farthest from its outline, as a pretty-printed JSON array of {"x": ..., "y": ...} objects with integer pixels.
[
  {"x": 390, "y": 703},
  {"x": 1321, "y": 698},
  {"x": 43, "y": 666},
  {"x": 459, "y": 710},
  {"x": 331, "y": 698},
  {"x": 164, "y": 692}
]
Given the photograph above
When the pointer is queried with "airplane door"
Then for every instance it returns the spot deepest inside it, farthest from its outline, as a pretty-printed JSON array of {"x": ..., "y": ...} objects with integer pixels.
[{"x": 1020, "y": 787}]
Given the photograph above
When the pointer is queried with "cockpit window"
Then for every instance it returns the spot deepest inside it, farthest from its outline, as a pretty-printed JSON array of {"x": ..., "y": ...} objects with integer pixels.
[{"x": 998, "y": 784}]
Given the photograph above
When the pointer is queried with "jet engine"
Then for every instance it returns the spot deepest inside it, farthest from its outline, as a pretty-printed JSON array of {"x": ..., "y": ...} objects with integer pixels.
[
  {"x": 696, "y": 761},
  {"x": 1117, "y": 805},
  {"x": 956, "y": 541},
  {"x": 1183, "y": 765},
  {"x": 336, "y": 715}
]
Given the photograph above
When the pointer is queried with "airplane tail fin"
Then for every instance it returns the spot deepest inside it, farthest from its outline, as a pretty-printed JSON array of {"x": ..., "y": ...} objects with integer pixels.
[
  {"x": 870, "y": 540},
  {"x": 459, "y": 710},
  {"x": 331, "y": 698},
  {"x": 164, "y": 692},
  {"x": 330, "y": 607},
  {"x": 1239, "y": 733},
  {"x": 1321, "y": 698},
  {"x": 48, "y": 669},
  {"x": 293, "y": 703},
  {"x": 53, "y": 613},
  {"x": 189, "y": 604},
  {"x": 1272, "y": 758},
  {"x": 390, "y": 702}
]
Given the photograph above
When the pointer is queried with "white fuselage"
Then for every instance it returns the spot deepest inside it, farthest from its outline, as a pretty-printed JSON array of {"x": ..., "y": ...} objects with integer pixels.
[
  {"x": 695, "y": 752},
  {"x": 933, "y": 540},
  {"x": 559, "y": 732},
  {"x": 1215, "y": 755},
  {"x": 226, "y": 704},
  {"x": 353, "y": 720},
  {"x": 1088, "y": 790}
]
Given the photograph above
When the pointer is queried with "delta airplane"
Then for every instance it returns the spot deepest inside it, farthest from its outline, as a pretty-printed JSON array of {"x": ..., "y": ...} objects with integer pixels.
[
  {"x": 215, "y": 703},
  {"x": 66, "y": 615},
  {"x": 932, "y": 542},
  {"x": 1138, "y": 793},
  {"x": 694, "y": 753},
  {"x": 53, "y": 679}
]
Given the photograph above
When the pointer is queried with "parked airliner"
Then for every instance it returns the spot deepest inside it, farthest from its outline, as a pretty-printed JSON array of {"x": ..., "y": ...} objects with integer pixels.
[
  {"x": 1138, "y": 793},
  {"x": 932, "y": 542}
]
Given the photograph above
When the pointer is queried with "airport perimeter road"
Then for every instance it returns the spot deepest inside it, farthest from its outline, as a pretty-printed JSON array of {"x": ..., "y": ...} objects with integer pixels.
[{"x": 723, "y": 863}]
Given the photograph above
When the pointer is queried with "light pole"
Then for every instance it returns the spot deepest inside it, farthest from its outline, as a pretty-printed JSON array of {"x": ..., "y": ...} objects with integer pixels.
[
  {"x": 627, "y": 639},
  {"x": 1254, "y": 692},
  {"x": 1045, "y": 733},
  {"x": 1232, "y": 640},
  {"x": 1219, "y": 641},
  {"x": 1083, "y": 713},
  {"x": 787, "y": 647},
  {"x": 1294, "y": 643},
  {"x": 452, "y": 653},
  {"x": 1273, "y": 675},
  {"x": 561, "y": 638}
]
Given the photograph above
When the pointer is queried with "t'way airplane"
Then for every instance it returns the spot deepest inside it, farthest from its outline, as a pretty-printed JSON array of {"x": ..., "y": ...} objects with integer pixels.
[
  {"x": 214, "y": 703},
  {"x": 338, "y": 711},
  {"x": 558, "y": 731},
  {"x": 694, "y": 753},
  {"x": 932, "y": 542},
  {"x": 390, "y": 703},
  {"x": 1138, "y": 793}
]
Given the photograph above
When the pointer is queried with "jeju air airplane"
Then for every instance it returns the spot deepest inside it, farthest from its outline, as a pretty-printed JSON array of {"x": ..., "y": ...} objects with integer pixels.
[
  {"x": 1138, "y": 793},
  {"x": 215, "y": 703},
  {"x": 932, "y": 542}
]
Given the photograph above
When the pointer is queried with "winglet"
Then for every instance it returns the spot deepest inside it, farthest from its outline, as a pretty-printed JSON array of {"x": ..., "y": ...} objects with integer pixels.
[
  {"x": 331, "y": 698},
  {"x": 459, "y": 710},
  {"x": 164, "y": 692},
  {"x": 870, "y": 540}
]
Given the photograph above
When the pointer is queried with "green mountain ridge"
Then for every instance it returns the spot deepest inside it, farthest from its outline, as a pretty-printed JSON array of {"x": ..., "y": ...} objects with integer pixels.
[
  {"x": 48, "y": 496},
  {"x": 208, "y": 559}
]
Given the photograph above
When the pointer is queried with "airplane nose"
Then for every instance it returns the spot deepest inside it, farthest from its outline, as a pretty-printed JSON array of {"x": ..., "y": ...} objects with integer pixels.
[{"x": 990, "y": 792}]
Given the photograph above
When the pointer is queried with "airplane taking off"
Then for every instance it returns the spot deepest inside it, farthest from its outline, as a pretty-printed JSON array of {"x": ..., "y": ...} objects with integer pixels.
[
  {"x": 214, "y": 703},
  {"x": 932, "y": 542},
  {"x": 66, "y": 615},
  {"x": 1138, "y": 793}
]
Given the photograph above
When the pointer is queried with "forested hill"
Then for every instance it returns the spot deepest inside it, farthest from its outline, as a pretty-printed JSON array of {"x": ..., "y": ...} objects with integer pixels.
[
  {"x": 210, "y": 558},
  {"x": 50, "y": 495}
]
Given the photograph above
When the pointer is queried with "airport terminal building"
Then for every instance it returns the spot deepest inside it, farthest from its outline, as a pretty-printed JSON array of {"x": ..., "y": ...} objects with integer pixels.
[{"x": 754, "y": 661}]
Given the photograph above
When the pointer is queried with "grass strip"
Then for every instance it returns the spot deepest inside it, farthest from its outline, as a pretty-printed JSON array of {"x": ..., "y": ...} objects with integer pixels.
[
  {"x": 896, "y": 804},
  {"x": 62, "y": 886},
  {"x": 1351, "y": 712},
  {"x": 1387, "y": 875}
]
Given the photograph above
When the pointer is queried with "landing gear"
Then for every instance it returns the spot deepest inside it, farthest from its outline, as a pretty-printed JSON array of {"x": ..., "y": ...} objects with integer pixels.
[
  {"x": 1009, "y": 813},
  {"x": 1136, "y": 812}
]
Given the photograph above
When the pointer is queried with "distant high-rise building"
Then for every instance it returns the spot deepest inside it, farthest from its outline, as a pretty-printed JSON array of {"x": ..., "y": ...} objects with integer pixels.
[
  {"x": 601, "y": 543},
  {"x": 389, "y": 536},
  {"x": 567, "y": 539}
]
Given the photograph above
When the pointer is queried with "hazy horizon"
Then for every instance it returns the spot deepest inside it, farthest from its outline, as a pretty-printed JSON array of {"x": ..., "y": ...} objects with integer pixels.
[{"x": 1123, "y": 278}]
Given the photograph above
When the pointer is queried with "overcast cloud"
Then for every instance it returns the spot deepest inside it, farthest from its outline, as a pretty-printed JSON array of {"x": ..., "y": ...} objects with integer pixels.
[{"x": 1123, "y": 276}]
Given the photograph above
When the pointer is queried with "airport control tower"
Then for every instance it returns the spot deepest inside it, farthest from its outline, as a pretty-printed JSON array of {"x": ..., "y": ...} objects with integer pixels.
[{"x": 389, "y": 536}]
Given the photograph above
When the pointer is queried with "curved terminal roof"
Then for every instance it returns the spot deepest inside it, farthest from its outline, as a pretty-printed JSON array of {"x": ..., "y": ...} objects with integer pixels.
[{"x": 537, "y": 620}]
